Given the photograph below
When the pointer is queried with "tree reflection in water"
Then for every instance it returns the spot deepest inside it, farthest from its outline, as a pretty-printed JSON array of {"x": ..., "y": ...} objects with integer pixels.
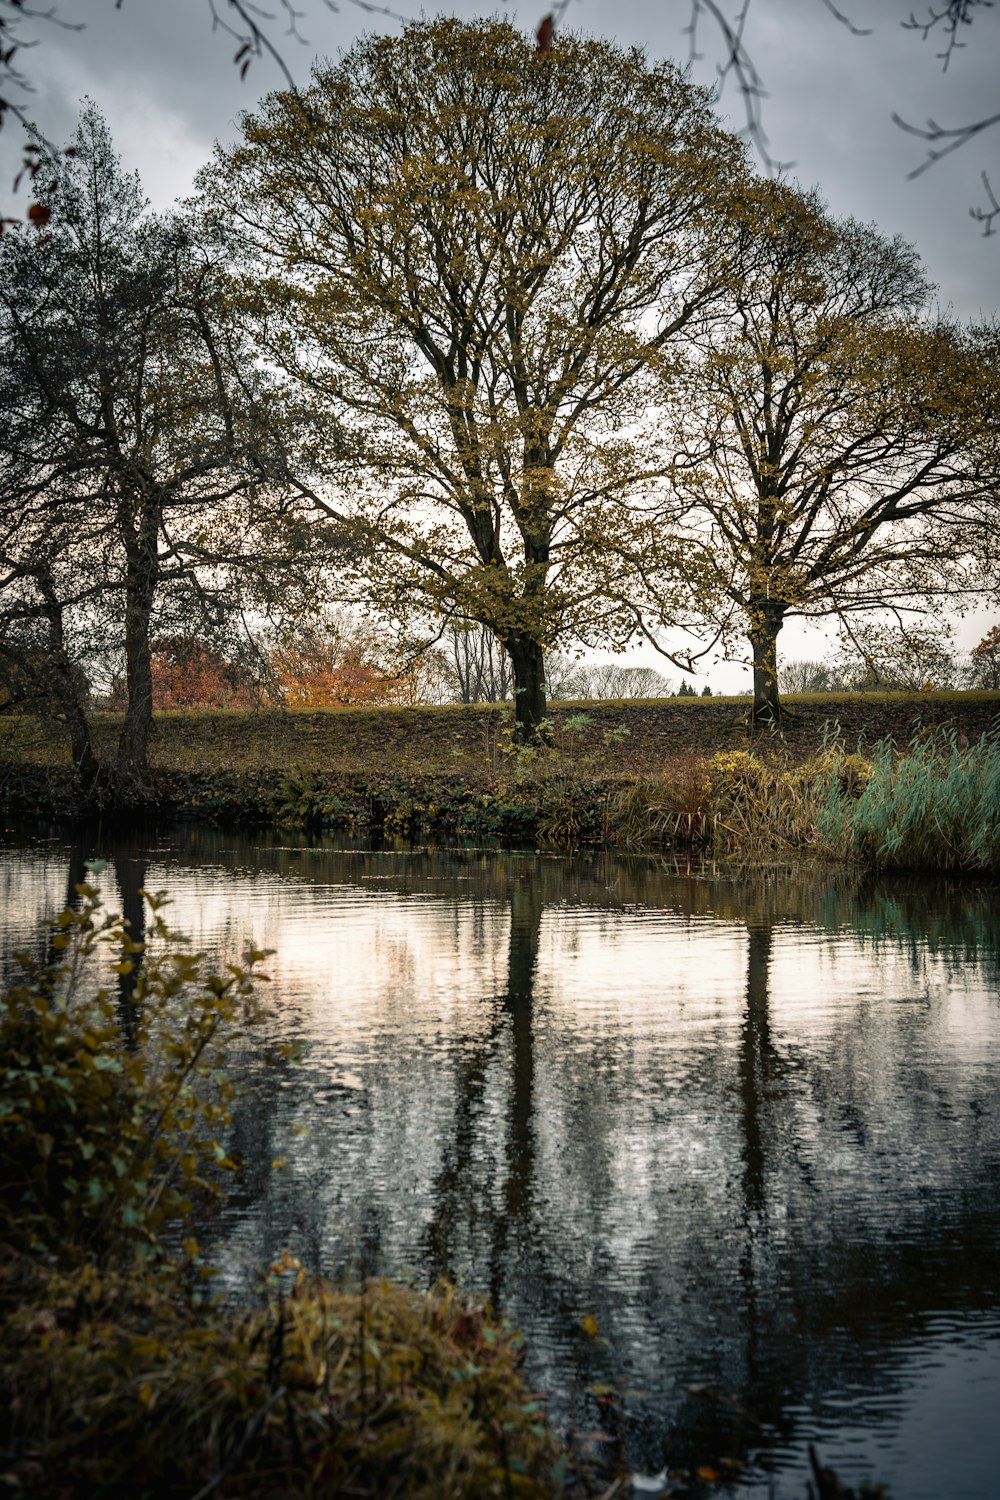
[{"x": 748, "y": 1121}]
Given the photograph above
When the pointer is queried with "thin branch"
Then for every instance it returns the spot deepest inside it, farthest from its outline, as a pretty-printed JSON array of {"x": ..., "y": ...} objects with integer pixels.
[
  {"x": 846, "y": 20},
  {"x": 953, "y": 136},
  {"x": 955, "y": 14},
  {"x": 253, "y": 38},
  {"x": 985, "y": 216},
  {"x": 943, "y": 140},
  {"x": 11, "y": 43},
  {"x": 740, "y": 64}
]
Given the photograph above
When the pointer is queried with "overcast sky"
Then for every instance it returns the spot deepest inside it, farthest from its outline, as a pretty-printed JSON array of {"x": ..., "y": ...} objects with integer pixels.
[{"x": 168, "y": 89}]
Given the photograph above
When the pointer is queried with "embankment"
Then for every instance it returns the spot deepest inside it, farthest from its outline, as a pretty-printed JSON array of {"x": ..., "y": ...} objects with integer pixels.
[{"x": 664, "y": 772}]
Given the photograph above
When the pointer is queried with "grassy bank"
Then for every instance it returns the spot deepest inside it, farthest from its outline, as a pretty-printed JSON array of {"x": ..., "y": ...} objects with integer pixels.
[
  {"x": 687, "y": 774},
  {"x": 474, "y": 742}
]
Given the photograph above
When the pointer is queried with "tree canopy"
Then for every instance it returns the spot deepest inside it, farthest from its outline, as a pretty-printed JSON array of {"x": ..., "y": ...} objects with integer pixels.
[
  {"x": 837, "y": 453},
  {"x": 131, "y": 434},
  {"x": 475, "y": 262}
]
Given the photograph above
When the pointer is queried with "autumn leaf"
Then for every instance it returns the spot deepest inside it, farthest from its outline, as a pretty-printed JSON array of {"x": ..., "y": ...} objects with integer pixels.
[
  {"x": 39, "y": 215},
  {"x": 545, "y": 33}
]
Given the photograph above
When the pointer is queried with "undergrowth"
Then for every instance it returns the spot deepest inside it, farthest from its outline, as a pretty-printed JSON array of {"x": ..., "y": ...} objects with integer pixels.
[
  {"x": 113, "y": 1385},
  {"x": 932, "y": 805}
]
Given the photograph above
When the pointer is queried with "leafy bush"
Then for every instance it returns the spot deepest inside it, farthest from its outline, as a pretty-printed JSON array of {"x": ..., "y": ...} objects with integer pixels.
[{"x": 110, "y": 1112}]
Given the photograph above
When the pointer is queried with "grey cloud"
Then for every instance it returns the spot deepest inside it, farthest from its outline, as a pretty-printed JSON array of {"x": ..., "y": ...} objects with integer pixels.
[{"x": 169, "y": 89}]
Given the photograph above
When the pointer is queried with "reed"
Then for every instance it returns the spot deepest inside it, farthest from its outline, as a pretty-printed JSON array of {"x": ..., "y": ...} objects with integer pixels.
[
  {"x": 934, "y": 805},
  {"x": 668, "y": 809}
]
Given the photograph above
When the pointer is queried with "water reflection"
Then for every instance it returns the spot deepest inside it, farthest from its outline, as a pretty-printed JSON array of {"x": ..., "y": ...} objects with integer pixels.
[{"x": 750, "y": 1123}]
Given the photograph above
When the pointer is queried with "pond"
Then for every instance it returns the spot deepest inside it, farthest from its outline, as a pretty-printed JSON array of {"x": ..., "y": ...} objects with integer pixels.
[{"x": 749, "y": 1122}]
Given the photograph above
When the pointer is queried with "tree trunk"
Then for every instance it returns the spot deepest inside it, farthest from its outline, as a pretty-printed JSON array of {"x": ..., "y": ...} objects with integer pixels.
[
  {"x": 140, "y": 592},
  {"x": 528, "y": 666},
  {"x": 133, "y": 742},
  {"x": 766, "y": 619},
  {"x": 81, "y": 747},
  {"x": 64, "y": 682}
]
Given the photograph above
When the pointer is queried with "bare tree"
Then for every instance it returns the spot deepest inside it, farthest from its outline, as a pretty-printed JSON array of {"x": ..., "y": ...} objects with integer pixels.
[
  {"x": 614, "y": 680},
  {"x": 565, "y": 676},
  {"x": 806, "y": 677},
  {"x": 477, "y": 667},
  {"x": 895, "y": 657}
]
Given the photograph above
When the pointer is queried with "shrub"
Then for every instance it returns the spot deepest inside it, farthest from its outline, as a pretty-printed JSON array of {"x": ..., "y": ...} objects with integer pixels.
[
  {"x": 677, "y": 803},
  {"x": 110, "y": 1113},
  {"x": 114, "y": 1384}
]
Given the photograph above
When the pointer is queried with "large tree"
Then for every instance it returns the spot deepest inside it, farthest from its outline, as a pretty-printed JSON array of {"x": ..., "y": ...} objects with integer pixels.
[
  {"x": 838, "y": 449},
  {"x": 475, "y": 262},
  {"x": 131, "y": 430}
]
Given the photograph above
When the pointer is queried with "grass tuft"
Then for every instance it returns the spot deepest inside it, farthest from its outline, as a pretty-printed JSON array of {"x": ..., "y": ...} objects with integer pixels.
[{"x": 114, "y": 1384}]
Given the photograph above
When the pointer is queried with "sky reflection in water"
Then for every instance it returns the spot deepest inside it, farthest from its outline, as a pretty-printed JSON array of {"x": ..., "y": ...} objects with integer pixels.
[{"x": 750, "y": 1122}]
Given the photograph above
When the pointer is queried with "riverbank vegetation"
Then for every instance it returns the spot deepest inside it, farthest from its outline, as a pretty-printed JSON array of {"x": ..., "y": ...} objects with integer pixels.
[
  {"x": 119, "y": 1381},
  {"x": 902, "y": 781}
]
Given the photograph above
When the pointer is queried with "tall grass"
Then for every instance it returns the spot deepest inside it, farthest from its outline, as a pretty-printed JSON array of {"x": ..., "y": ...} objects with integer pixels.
[
  {"x": 757, "y": 809},
  {"x": 934, "y": 805}
]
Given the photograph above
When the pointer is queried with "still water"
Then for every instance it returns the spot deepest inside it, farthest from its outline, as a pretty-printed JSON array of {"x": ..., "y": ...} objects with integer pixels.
[{"x": 750, "y": 1122}]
